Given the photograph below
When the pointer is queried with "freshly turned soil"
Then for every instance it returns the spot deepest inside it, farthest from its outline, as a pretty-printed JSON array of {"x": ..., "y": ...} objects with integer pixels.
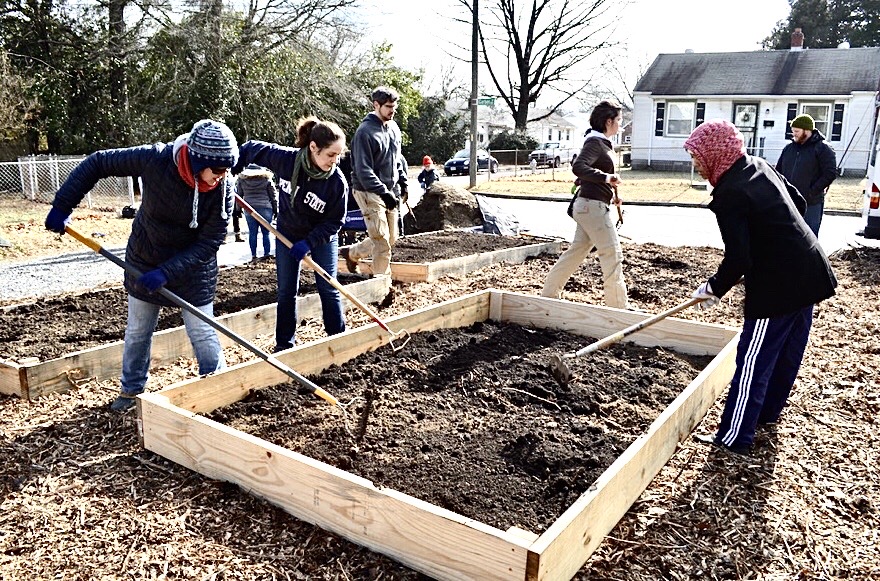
[
  {"x": 451, "y": 244},
  {"x": 54, "y": 326},
  {"x": 472, "y": 420}
]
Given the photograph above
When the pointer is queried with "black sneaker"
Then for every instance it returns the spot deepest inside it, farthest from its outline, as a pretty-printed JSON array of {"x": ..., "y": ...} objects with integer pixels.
[
  {"x": 123, "y": 403},
  {"x": 350, "y": 263}
]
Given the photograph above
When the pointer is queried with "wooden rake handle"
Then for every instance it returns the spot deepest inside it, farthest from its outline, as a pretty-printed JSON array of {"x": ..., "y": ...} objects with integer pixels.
[
  {"x": 185, "y": 305},
  {"x": 620, "y": 335}
]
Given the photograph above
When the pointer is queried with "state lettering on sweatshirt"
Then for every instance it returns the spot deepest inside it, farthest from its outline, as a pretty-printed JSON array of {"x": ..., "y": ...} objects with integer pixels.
[{"x": 314, "y": 202}]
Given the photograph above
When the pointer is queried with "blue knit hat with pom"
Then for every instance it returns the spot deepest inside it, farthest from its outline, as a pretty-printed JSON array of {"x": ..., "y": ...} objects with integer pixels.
[{"x": 211, "y": 144}]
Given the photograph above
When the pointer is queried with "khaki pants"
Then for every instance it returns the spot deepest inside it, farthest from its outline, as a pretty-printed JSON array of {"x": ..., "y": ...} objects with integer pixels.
[
  {"x": 382, "y": 232},
  {"x": 594, "y": 228}
]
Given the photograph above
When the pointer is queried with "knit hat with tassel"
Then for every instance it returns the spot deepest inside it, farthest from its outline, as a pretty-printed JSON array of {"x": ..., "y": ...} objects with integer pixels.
[{"x": 210, "y": 144}]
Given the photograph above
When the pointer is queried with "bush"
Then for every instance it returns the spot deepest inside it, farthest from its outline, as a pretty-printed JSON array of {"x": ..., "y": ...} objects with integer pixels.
[{"x": 513, "y": 140}]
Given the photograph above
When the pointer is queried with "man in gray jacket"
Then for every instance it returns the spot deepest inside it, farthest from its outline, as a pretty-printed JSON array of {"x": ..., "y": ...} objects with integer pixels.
[{"x": 378, "y": 181}]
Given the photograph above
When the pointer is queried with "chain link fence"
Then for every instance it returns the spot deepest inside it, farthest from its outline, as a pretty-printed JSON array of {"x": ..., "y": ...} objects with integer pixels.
[{"x": 37, "y": 178}]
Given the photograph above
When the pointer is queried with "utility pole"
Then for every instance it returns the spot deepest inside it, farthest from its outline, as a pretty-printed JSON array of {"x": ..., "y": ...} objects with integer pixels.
[{"x": 474, "y": 68}]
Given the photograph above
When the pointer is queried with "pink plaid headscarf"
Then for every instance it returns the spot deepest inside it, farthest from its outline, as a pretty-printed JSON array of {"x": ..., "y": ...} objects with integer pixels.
[{"x": 717, "y": 144}]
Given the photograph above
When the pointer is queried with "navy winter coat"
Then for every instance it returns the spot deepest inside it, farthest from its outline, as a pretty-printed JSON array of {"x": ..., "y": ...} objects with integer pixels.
[{"x": 161, "y": 236}]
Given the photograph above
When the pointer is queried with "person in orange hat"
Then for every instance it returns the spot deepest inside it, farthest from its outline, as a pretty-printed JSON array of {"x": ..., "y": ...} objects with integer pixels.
[{"x": 428, "y": 174}]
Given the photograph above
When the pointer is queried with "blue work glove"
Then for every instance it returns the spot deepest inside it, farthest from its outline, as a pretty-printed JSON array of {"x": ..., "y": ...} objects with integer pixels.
[
  {"x": 153, "y": 280},
  {"x": 390, "y": 201},
  {"x": 705, "y": 293},
  {"x": 57, "y": 220},
  {"x": 299, "y": 250}
]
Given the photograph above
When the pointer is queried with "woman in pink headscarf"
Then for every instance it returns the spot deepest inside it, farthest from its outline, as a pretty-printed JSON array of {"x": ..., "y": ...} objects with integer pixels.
[{"x": 785, "y": 272}]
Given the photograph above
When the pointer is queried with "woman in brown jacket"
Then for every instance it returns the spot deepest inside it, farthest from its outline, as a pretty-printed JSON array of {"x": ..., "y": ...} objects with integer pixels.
[{"x": 591, "y": 211}]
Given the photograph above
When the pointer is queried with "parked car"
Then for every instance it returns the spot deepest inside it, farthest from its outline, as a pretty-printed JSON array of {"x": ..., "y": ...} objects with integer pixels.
[
  {"x": 871, "y": 210},
  {"x": 460, "y": 162},
  {"x": 553, "y": 154}
]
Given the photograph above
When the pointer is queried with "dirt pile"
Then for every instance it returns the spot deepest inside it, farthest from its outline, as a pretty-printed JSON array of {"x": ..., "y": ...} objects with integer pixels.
[{"x": 443, "y": 207}]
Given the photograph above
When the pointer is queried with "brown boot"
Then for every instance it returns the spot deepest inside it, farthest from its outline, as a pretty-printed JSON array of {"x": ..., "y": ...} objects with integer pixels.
[
  {"x": 350, "y": 263},
  {"x": 238, "y": 237}
]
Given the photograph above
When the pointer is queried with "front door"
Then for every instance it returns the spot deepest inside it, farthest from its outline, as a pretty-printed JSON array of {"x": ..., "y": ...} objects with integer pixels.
[{"x": 745, "y": 117}]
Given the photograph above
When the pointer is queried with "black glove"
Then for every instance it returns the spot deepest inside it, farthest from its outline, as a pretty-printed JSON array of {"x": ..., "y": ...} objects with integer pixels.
[
  {"x": 390, "y": 200},
  {"x": 404, "y": 192}
]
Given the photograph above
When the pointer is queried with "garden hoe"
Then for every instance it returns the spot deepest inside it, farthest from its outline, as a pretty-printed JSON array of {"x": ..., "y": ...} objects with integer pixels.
[
  {"x": 93, "y": 244},
  {"x": 563, "y": 374},
  {"x": 402, "y": 336}
]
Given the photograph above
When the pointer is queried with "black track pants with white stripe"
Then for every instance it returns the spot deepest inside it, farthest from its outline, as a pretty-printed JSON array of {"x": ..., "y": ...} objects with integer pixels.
[{"x": 768, "y": 357}]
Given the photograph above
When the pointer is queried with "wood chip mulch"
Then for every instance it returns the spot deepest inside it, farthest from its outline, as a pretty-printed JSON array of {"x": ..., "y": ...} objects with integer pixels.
[{"x": 79, "y": 499}]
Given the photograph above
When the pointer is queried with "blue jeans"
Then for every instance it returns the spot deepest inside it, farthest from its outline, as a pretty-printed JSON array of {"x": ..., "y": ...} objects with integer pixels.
[
  {"x": 813, "y": 216},
  {"x": 253, "y": 226},
  {"x": 142, "y": 320},
  {"x": 288, "y": 271}
]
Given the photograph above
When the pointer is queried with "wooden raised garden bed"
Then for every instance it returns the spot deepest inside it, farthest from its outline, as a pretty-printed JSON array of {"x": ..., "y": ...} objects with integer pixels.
[
  {"x": 30, "y": 377},
  {"x": 426, "y": 537},
  {"x": 432, "y": 270}
]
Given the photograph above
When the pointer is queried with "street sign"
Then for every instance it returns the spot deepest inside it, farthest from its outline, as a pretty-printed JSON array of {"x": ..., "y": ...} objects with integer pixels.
[{"x": 486, "y": 101}]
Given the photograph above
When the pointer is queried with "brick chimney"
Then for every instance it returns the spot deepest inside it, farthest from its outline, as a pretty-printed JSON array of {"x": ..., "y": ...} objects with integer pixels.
[{"x": 797, "y": 39}]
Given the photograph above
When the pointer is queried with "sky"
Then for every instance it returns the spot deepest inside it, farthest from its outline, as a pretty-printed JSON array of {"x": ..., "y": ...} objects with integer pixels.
[{"x": 420, "y": 30}]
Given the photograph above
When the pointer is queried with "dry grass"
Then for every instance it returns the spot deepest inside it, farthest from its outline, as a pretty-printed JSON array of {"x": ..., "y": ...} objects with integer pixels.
[
  {"x": 22, "y": 226},
  {"x": 653, "y": 186}
]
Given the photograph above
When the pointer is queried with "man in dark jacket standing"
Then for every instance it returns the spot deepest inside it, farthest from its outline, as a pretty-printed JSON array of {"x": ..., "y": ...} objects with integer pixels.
[
  {"x": 378, "y": 180},
  {"x": 810, "y": 165},
  {"x": 180, "y": 225},
  {"x": 769, "y": 246}
]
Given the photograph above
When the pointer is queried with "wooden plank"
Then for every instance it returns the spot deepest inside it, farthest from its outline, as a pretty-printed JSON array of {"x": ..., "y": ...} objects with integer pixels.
[
  {"x": 556, "y": 554},
  {"x": 11, "y": 380},
  {"x": 205, "y": 394},
  {"x": 564, "y": 547},
  {"x": 429, "y": 271},
  {"x": 466, "y": 264},
  {"x": 435, "y": 541},
  {"x": 400, "y": 271},
  {"x": 689, "y": 337},
  {"x": 105, "y": 361}
]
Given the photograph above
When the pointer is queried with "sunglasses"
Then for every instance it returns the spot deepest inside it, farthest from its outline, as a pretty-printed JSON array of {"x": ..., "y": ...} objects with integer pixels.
[{"x": 219, "y": 170}]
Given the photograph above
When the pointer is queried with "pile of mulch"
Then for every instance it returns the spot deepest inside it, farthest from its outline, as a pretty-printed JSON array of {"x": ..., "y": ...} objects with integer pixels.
[{"x": 80, "y": 499}]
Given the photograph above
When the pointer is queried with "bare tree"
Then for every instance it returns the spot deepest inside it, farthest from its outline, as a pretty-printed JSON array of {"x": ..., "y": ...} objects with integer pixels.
[{"x": 533, "y": 47}]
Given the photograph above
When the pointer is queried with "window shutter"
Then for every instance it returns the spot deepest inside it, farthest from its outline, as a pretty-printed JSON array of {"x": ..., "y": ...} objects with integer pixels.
[
  {"x": 661, "y": 117},
  {"x": 792, "y": 113},
  {"x": 837, "y": 122},
  {"x": 701, "y": 114}
]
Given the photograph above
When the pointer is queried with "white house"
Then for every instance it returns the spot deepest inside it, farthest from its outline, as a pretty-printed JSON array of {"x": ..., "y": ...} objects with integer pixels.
[
  {"x": 760, "y": 92},
  {"x": 554, "y": 127}
]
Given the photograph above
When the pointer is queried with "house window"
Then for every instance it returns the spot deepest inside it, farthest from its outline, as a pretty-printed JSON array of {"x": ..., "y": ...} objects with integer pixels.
[
  {"x": 550, "y": 134},
  {"x": 680, "y": 117},
  {"x": 820, "y": 112}
]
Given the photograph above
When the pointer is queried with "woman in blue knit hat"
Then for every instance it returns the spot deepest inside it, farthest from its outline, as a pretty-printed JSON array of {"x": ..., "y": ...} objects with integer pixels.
[
  {"x": 175, "y": 235},
  {"x": 311, "y": 208}
]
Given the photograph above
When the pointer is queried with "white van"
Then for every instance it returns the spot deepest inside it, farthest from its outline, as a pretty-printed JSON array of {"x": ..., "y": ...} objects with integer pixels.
[{"x": 871, "y": 211}]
